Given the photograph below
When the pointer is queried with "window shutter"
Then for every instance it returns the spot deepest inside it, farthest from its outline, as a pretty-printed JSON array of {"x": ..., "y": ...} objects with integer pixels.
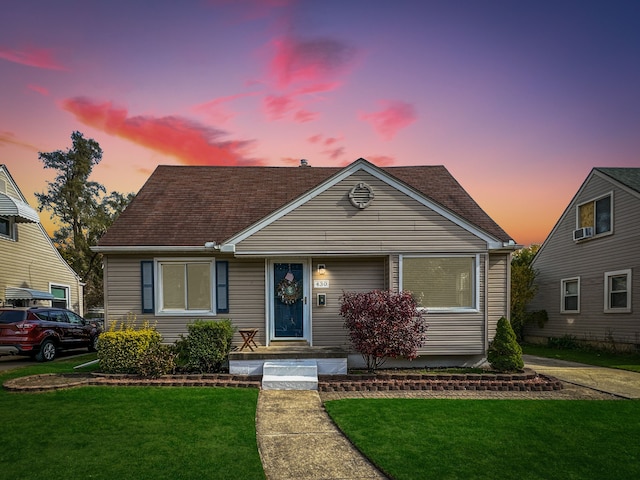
[
  {"x": 222, "y": 287},
  {"x": 146, "y": 274}
]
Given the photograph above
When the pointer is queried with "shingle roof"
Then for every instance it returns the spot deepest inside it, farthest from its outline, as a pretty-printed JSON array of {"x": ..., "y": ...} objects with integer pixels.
[
  {"x": 627, "y": 176},
  {"x": 191, "y": 205}
]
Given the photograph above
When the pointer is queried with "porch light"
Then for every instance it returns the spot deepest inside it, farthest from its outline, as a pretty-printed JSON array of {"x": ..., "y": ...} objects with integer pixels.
[{"x": 321, "y": 269}]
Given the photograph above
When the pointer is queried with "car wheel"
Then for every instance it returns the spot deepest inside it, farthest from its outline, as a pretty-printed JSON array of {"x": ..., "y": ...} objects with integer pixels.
[
  {"x": 93, "y": 346},
  {"x": 47, "y": 351}
]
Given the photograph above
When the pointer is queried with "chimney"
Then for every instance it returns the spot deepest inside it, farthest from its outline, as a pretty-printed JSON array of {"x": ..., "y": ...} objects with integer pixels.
[{"x": 304, "y": 163}]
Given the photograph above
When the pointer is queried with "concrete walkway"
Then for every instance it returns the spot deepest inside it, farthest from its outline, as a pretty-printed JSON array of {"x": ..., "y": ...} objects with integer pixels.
[
  {"x": 617, "y": 382},
  {"x": 298, "y": 440}
]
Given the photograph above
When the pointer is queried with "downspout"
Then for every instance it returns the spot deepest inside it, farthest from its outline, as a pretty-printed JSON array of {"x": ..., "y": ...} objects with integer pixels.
[{"x": 486, "y": 303}]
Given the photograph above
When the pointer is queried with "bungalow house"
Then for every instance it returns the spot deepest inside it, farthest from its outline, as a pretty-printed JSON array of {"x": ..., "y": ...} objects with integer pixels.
[
  {"x": 32, "y": 272},
  {"x": 274, "y": 248},
  {"x": 586, "y": 266}
]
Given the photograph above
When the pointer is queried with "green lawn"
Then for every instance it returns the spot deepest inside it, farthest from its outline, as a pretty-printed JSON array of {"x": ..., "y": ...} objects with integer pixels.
[
  {"x": 127, "y": 432},
  {"x": 622, "y": 360},
  {"x": 495, "y": 439}
]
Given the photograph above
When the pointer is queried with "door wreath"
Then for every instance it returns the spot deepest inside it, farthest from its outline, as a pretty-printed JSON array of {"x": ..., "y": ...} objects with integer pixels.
[{"x": 288, "y": 291}]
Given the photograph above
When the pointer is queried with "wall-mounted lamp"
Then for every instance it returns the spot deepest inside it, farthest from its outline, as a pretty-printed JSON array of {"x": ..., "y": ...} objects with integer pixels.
[{"x": 321, "y": 269}]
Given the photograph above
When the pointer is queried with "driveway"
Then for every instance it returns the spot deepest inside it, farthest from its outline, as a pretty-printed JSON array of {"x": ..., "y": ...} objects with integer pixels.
[{"x": 611, "y": 380}]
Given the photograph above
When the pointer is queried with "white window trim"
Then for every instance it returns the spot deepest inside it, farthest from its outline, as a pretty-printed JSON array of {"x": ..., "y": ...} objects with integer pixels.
[
  {"x": 67, "y": 288},
  {"x": 159, "y": 299},
  {"x": 607, "y": 297},
  {"x": 562, "y": 294},
  {"x": 593, "y": 200},
  {"x": 476, "y": 294}
]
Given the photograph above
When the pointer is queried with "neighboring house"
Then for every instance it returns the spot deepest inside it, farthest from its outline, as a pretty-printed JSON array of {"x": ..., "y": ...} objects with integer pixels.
[
  {"x": 586, "y": 267},
  {"x": 32, "y": 272},
  {"x": 274, "y": 248}
]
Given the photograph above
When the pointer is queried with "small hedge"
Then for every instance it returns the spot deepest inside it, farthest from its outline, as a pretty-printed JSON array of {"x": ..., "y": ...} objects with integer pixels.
[
  {"x": 206, "y": 347},
  {"x": 124, "y": 348}
]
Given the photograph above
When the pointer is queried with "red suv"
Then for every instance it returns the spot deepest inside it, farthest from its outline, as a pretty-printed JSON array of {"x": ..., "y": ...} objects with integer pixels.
[{"x": 42, "y": 331}]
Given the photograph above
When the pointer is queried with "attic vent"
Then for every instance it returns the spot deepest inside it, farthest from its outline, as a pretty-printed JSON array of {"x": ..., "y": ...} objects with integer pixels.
[
  {"x": 3, "y": 186},
  {"x": 361, "y": 195}
]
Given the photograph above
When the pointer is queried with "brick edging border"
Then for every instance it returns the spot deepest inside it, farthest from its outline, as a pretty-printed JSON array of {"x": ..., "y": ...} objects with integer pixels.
[{"x": 522, "y": 382}]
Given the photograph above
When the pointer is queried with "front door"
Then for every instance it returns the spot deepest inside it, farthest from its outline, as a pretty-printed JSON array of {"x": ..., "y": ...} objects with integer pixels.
[{"x": 289, "y": 301}]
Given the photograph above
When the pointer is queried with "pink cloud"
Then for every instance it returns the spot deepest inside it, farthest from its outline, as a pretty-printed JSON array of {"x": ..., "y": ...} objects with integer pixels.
[
  {"x": 31, "y": 57},
  {"x": 8, "y": 138},
  {"x": 381, "y": 160},
  {"x": 313, "y": 60},
  {"x": 190, "y": 142},
  {"x": 277, "y": 106},
  {"x": 334, "y": 153},
  {"x": 315, "y": 138},
  {"x": 394, "y": 116},
  {"x": 303, "y": 116},
  {"x": 215, "y": 109},
  {"x": 39, "y": 89}
]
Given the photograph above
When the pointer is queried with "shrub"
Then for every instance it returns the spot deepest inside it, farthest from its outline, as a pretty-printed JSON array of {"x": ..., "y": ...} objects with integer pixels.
[
  {"x": 206, "y": 346},
  {"x": 383, "y": 324},
  {"x": 505, "y": 354},
  {"x": 121, "y": 348},
  {"x": 156, "y": 361}
]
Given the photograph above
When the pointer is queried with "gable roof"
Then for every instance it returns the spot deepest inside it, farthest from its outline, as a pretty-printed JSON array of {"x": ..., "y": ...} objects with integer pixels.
[
  {"x": 191, "y": 205},
  {"x": 629, "y": 177}
]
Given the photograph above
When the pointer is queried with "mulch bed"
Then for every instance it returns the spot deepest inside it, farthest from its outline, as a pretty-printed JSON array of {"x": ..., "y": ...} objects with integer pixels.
[{"x": 529, "y": 381}]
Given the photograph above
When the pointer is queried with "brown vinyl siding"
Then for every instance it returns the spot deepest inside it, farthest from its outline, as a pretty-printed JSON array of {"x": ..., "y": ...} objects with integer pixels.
[
  {"x": 123, "y": 295},
  {"x": 344, "y": 275},
  {"x": 329, "y": 223},
  {"x": 498, "y": 290},
  {"x": 562, "y": 258}
]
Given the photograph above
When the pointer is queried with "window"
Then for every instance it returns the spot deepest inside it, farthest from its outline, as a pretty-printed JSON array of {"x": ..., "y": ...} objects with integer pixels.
[
  {"x": 570, "y": 295},
  {"x": 61, "y": 296},
  {"x": 617, "y": 291},
  {"x": 184, "y": 286},
  {"x": 7, "y": 228},
  {"x": 446, "y": 283},
  {"x": 596, "y": 214}
]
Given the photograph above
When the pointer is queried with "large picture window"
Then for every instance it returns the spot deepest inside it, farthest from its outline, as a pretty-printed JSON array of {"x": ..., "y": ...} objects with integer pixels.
[
  {"x": 446, "y": 283},
  {"x": 596, "y": 214},
  {"x": 185, "y": 286},
  {"x": 617, "y": 291},
  {"x": 570, "y": 295}
]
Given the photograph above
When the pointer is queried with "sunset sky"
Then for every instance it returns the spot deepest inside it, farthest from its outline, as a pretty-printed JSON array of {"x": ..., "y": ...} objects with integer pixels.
[{"x": 519, "y": 99}]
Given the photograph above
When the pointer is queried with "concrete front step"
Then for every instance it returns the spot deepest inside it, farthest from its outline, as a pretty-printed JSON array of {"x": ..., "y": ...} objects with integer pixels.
[{"x": 290, "y": 375}]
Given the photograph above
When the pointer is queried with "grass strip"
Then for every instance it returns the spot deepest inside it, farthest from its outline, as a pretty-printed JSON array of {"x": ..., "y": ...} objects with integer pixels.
[{"x": 489, "y": 439}]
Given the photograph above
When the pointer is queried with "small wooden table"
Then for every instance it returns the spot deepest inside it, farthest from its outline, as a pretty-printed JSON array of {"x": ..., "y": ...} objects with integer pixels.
[{"x": 247, "y": 336}]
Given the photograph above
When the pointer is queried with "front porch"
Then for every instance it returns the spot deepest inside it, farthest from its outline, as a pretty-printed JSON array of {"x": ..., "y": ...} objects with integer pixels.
[{"x": 330, "y": 360}]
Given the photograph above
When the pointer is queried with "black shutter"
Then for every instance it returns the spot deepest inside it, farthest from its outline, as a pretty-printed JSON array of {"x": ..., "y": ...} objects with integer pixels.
[
  {"x": 222, "y": 287},
  {"x": 146, "y": 274}
]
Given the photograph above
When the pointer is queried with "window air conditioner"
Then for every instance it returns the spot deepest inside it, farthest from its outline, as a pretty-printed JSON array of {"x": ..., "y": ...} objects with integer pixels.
[{"x": 581, "y": 233}]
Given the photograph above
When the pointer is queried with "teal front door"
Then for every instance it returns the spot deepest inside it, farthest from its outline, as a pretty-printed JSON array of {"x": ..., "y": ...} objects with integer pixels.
[{"x": 288, "y": 301}]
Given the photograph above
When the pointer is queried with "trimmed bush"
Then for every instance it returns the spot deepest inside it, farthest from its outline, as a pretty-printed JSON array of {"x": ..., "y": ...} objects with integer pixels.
[
  {"x": 505, "y": 354},
  {"x": 122, "y": 347},
  {"x": 207, "y": 345}
]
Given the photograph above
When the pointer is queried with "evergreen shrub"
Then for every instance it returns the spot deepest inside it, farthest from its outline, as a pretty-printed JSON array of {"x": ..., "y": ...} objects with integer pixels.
[{"x": 505, "y": 354}]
